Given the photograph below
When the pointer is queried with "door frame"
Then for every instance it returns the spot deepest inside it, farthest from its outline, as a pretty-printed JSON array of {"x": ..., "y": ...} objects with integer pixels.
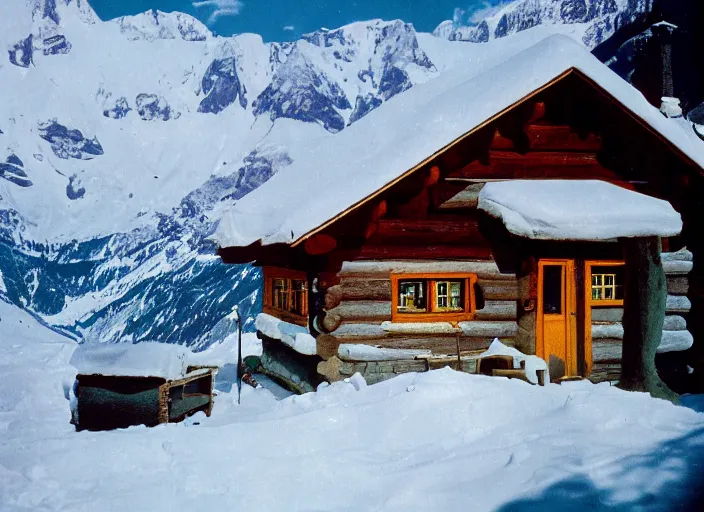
[{"x": 570, "y": 308}]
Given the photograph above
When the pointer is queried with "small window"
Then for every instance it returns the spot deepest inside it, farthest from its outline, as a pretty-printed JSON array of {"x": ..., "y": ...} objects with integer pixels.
[
  {"x": 281, "y": 293},
  {"x": 448, "y": 296},
  {"x": 552, "y": 289},
  {"x": 286, "y": 294},
  {"x": 606, "y": 283},
  {"x": 435, "y": 297},
  {"x": 299, "y": 297},
  {"x": 412, "y": 297}
]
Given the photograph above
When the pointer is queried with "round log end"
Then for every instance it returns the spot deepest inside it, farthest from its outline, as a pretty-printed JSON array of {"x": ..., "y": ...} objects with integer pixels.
[
  {"x": 327, "y": 346},
  {"x": 320, "y": 244},
  {"x": 330, "y": 369},
  {"x": 330, "y": 322}
]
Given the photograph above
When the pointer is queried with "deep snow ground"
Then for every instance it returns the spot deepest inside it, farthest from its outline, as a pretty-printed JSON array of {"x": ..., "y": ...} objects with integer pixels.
[{"x": 435, "y": 441}]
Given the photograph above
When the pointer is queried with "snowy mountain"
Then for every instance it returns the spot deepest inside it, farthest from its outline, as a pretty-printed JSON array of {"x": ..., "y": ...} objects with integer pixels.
[
  {"x": 116, "y": 157},
  {"x": 122, "y": 142},
  {"x": 595, "y": 20}
]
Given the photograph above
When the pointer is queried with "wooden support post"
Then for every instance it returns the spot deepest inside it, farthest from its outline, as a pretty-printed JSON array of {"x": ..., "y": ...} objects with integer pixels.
[
  {"x": 645, "y": 294},
  {"x": 459, "y": 356},
  {"x": 541, "y": 377},
  {"x": 164, "y": 403}
]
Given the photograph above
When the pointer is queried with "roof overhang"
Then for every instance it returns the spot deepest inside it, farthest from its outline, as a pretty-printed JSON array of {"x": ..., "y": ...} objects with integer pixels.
[
  {"x": 249, "y": 223},
  {"x": 580, "y": 210}
]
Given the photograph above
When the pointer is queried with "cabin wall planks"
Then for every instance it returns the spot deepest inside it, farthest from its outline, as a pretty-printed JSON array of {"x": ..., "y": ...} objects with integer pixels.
[{"x": 362, "y": 305}]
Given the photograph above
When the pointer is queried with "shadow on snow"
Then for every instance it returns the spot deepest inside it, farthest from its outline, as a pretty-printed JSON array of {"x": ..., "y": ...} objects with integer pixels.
[{"x": 679, "y": 464}]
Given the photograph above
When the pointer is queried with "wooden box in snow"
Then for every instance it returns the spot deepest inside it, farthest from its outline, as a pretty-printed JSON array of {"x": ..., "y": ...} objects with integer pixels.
[{"x": 146, "y": 384}]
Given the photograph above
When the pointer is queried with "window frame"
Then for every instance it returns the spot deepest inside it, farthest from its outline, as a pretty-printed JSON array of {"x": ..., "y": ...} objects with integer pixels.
[
  {"x": 433, "y": 315},
  {"x": 588, "y": 282},
  {"x": 272, "y": 274}
]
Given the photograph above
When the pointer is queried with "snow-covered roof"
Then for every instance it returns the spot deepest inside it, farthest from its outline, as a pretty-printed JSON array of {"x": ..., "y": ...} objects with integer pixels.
[
  {"x": 148, "y": 359},
  {"x": 337, "y": 174},
  {"x": 586, "y": 210}
]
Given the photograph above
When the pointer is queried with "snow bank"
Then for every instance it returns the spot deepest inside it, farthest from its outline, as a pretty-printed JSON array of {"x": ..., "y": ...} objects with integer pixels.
[
  {"x": 532, "y": 363},
  {"x": 429, "y": 441},
  {"x": 587, "y": 210},
  {"x": 293, "y": 335},
  {"x": 224, "y": 353},
  {"x": 148, "y": 359},
  {"x": 152, "y": 359}
]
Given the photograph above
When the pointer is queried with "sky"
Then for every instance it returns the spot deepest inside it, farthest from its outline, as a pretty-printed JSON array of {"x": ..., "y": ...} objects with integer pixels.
[{"x": 282, "y": 20}]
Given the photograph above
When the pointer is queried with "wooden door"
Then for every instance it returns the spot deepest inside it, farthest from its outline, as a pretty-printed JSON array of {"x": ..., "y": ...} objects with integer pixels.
[{"x": 556, "y": 329}]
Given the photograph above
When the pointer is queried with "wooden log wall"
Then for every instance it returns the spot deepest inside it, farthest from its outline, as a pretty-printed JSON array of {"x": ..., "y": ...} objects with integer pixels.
[{"x": 359, "y": 308}]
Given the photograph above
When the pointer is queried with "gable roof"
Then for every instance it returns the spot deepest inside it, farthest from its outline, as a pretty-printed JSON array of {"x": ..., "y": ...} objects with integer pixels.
[{"x": 349, "y": 168}]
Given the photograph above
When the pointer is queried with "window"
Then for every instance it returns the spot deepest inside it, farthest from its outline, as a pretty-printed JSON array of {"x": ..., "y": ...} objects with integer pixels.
[
  {"x": 286, "y": 294},
  {"x": 281, "y": 293},
  {"x": 412, "y": 297},
  {"x": 605, "y": 283},
  {"x": 299, "y": 297},
  {"x": 448, "y": 296},
  {"x": 603, "y": 286},
  {"x": 432, "y": 297},
  {"x": 552, "y": 289}
]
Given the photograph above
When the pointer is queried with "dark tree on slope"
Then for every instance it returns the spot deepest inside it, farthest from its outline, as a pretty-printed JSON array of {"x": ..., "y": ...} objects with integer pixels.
[{"x": 645, "y": 294}]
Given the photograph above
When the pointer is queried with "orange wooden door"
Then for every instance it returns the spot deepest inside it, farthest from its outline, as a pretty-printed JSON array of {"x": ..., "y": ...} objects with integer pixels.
[{"x": 556, "y": 329}]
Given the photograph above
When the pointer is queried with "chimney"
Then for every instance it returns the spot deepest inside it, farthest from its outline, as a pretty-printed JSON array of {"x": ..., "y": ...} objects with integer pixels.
[
  {"x": 663, "y": 35},
  {"x": 670, "y": 107}
]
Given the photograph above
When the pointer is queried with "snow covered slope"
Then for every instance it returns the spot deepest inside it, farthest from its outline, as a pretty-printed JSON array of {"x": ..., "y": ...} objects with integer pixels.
[
  {"x": 123, "y": 142},
  {"x": 593, "y": 21},
  {"x": 494, "y": 443}
]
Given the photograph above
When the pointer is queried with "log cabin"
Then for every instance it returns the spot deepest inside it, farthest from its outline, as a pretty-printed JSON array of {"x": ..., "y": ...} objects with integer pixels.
[{"x": 500, "y": 204}]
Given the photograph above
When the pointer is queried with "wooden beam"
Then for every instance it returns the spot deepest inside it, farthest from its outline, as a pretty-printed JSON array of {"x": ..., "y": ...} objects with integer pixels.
[
  {"x": 536, "y": 164},
  {"x": 365, "y": 289},
  {"x": 320, "y": 244},
  {"x": 430, "y": 231},
  {"x": 466, "y": 198},
  {"x": 485, "y": 270},
  {"x": 380, "y": 210},
  {"x": 538, "y": 112},
  {"x": 433, "y": 176},
  {"x": 551, "y": 138},
  {"x": 373, "y": 252}
]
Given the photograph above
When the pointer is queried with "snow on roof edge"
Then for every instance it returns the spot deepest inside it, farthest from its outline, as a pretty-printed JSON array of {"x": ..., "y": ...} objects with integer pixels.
[{"x": 585, "y": 210}]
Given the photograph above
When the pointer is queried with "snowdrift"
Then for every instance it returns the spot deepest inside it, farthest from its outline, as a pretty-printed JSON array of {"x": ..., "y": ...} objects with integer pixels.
[{"x": 440, "y": 440}]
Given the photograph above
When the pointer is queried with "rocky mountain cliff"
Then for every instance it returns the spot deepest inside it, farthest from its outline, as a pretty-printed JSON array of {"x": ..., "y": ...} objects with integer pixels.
[{"x": 597, "y": 20}]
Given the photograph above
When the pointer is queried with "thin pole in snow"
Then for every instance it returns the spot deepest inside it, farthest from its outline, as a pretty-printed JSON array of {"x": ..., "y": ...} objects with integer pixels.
[{"x": 239, "y": 354}]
